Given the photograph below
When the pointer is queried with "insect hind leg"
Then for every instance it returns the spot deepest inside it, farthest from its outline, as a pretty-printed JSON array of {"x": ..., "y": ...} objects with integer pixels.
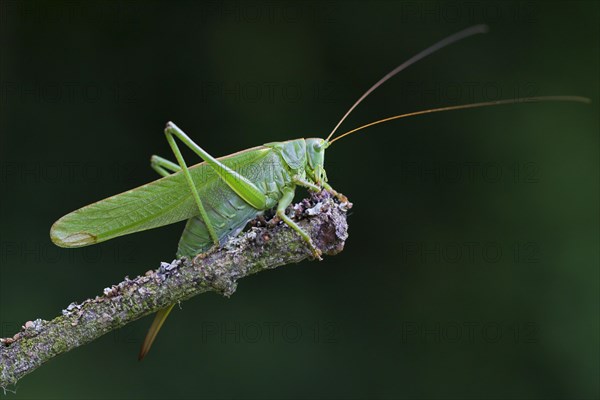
[
  {"x": 163, "y": 166},
  {"x": 240, "y": 184},
  {"x": 171, "y": 133}
]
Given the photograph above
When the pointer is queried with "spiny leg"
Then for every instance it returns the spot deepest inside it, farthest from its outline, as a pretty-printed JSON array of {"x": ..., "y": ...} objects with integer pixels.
[{"x": 286, "y": 200}]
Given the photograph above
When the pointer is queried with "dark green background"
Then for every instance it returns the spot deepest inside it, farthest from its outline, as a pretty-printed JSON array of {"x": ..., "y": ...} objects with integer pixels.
[{"x": 471, "y": 270}]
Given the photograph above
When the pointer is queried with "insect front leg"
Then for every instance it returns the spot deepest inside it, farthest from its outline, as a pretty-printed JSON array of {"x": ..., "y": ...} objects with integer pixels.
[
  {"x": 338, "y": 195},
  {"x": 311, "y": 186},
  {"x": 286, "y": 200},
  {"x": 304, "y": 183}
]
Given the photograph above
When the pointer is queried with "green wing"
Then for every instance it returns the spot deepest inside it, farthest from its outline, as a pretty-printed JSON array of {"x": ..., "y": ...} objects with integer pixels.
[{"x": 162, "y": 202}]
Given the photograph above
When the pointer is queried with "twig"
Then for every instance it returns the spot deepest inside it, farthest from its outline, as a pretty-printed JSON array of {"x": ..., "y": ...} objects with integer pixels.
[{"x": 262, "y": 247}]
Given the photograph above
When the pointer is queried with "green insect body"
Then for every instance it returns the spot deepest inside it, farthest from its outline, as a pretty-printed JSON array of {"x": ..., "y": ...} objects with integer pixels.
[
  {"x": 275, "y": 168},
  {"x": 219, "y": 196}
]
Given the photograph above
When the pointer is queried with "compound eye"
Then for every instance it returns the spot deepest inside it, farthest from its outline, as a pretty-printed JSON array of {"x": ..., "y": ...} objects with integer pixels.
[{"x": 318, "y": 146}]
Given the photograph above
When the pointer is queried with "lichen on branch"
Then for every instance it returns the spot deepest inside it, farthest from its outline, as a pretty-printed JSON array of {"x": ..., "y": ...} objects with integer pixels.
[{"x": 266, "y": 245}]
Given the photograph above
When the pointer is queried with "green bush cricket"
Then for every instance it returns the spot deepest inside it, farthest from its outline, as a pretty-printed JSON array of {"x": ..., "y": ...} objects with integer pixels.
[{"x": 219, "y": 196}]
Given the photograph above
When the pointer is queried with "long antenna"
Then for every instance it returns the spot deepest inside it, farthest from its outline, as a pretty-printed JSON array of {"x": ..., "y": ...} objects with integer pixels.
[
  {"x": 439, "y": 45},
  {"x": 578, "y": 99}
]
